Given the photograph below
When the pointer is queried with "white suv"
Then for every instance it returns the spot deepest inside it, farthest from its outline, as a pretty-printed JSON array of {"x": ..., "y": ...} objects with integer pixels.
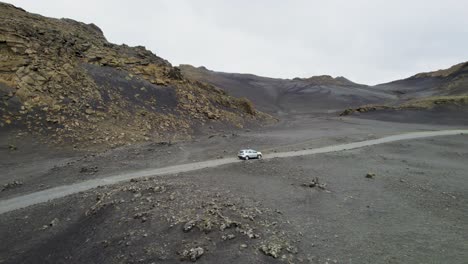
[{"x": 249, "y": 154}]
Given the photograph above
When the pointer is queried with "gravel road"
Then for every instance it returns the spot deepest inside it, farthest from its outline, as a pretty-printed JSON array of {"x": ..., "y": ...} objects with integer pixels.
[{"x": 62, "y": 191}]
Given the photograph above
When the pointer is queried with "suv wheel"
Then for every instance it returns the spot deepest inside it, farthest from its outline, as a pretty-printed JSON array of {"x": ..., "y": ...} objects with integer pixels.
[
  {"x": 259, "y": 156},
  {"x": 246, "y": 157}
]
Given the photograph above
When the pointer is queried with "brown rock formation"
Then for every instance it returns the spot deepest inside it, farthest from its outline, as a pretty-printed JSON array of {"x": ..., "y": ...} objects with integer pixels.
[{"x": 63, "y": 79}]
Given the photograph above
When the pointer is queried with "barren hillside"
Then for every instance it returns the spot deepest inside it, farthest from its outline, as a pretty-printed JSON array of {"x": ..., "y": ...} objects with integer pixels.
[
  {"x": 317, "y": 94},
  {"x": 62, "y": 80},
  {"x": 438, "y": 97},
  {"x": 424, "y": 97}
]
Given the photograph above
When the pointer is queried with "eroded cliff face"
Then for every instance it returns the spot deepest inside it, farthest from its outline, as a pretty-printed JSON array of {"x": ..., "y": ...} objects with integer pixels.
[{"x": 62, "y": 79}]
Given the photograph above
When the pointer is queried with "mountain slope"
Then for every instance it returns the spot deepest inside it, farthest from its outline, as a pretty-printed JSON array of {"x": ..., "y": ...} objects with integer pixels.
[
  {"x": 437, "y": 97},
  {"x": 318, "y": 94},
  {"x": 445, "y": 82},
  {"x": 62, "y": 79}
]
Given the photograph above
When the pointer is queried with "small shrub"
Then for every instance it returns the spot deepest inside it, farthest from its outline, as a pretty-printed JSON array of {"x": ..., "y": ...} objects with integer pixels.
[{"x": 246, "y": 105}]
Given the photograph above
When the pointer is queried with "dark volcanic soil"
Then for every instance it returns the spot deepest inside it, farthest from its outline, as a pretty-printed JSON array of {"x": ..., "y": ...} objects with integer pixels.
[
  {"x": 402, "y": 202},
  {"x": 40, "y": 167},
  {"x": 151, "y": 221},
  {"x": 437, "y": 115}
]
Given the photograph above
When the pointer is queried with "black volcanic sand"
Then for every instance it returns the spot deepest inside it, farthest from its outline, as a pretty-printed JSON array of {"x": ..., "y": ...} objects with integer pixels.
[
  {"x": 40, "y": 167},
  {"x": 412, "y": 209},
  {"x": 441, "y": 115}
]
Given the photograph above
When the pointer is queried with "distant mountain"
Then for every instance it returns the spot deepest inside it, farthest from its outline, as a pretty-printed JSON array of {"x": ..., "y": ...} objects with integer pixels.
[
  {"x": 318, "y": 94},
  {"x": 451, "y": 81},
  {"x": 434, "y": 94},
  {"x": 444, "y": 93},
  {"x": 328, "y": 80},
  {"x": 61, "y": 79}
]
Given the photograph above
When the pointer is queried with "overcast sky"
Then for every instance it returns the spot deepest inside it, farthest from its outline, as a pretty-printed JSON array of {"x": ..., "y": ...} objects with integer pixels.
[{"x": 367, "y": 41}]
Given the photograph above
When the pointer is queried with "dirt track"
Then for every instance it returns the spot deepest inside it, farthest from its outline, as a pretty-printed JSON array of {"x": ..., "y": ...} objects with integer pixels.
[{"x": 61, "y": 191}]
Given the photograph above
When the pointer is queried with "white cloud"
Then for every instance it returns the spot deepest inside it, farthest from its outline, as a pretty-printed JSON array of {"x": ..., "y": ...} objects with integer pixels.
[{"x": 368, "y": 41}]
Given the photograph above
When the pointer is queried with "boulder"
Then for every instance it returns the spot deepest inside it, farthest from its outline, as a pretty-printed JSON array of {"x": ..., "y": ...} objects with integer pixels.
[{"x": 192, "y": 254}]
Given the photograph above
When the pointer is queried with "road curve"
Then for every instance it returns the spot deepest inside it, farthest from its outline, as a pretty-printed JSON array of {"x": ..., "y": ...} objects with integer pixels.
[{"x": 62, "y": 191}]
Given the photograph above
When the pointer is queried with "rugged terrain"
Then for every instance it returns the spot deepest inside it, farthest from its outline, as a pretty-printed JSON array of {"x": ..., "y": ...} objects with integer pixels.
[
  {"x": 423, "y": 98},
  {"x": 61, "y": 79},
  {"x": 404, "y": 203},
  {"x": 76, "y": 108}
]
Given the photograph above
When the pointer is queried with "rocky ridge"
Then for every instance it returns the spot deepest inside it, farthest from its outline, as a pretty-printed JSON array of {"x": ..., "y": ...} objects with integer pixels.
[
  {"x": 441, "y": 89},
  {"x": 328, "y": 80},
  {"x": 62, "y": 79}
]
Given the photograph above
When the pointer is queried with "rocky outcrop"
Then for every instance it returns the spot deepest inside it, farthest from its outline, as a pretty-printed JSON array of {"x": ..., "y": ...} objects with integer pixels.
[
  {"x": 328, "y": 80},
  {"x": 63, "y": 79}
]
